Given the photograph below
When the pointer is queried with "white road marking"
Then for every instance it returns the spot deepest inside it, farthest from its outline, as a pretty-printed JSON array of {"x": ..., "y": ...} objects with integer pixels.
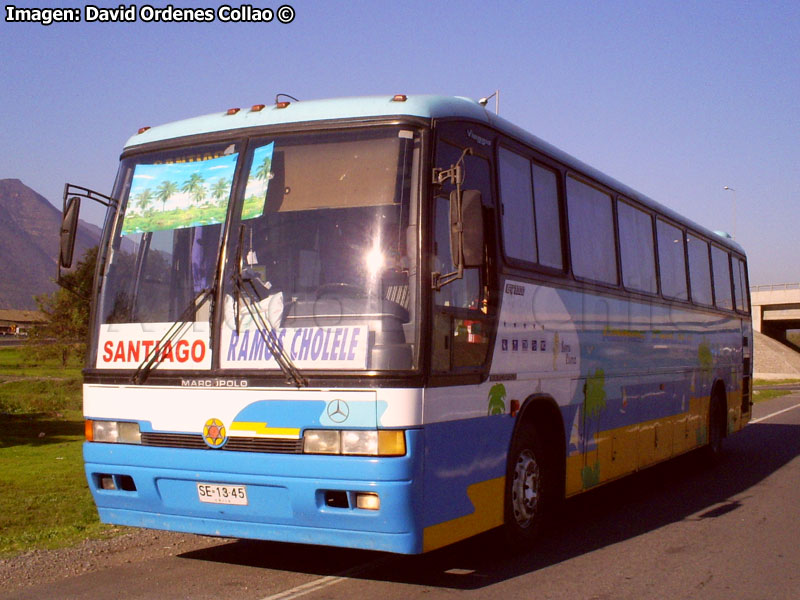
[
  {"x": 323, "y": 582},
  {"x": 775, "y": 414}
]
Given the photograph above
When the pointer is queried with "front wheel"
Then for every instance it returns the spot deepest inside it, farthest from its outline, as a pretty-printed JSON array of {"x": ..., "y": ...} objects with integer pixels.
[{"x": 528, "y": 489}]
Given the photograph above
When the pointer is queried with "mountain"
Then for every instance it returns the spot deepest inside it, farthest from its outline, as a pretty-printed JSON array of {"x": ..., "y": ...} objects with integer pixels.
[{"x": 29, "y": 239}]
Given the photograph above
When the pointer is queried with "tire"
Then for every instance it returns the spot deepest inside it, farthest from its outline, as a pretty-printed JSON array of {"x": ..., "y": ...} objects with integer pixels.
[{"x": 528, "y": 490}]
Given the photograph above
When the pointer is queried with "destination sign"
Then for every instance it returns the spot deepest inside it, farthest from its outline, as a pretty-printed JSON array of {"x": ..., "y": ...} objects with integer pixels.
[
  {"x": 128, "y": 345},
  {"x": 308, "y": 347}
]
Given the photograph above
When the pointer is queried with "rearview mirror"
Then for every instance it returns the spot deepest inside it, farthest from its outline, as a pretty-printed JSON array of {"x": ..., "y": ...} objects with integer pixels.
[
  {"x": 466, "y": 229},
  {"x": 69, "y": 227},
  {"x": 466, "y": 235},
  {"x": 472, "y": 228}
]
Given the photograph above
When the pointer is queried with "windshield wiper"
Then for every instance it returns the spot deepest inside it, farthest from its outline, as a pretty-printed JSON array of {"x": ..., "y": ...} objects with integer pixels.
[
  {"x": 264, "y": 327},
  {"x": 176, "y": 330}
]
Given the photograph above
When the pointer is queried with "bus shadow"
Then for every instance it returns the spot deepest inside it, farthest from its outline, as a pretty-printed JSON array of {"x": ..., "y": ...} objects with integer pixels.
[{"x": 682, "y": 489}]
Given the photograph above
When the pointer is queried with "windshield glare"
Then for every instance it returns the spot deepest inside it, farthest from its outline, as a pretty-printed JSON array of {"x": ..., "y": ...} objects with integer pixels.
[{"x": 323, "y": 236}]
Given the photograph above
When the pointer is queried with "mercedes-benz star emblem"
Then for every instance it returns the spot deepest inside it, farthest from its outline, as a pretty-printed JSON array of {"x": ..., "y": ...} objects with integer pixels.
[{"x": 338, "y": 411}]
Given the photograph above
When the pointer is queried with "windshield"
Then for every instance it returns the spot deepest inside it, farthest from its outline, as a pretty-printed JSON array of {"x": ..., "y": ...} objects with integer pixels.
[
  {"x": 323, "y": 239},
  {"x": 327, "y": 240}
]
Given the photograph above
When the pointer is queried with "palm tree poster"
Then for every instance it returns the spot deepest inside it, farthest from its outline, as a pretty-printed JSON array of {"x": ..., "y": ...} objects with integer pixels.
[
  {"x": 255, "y": 195},
  {"x": 179, "y": 195}
]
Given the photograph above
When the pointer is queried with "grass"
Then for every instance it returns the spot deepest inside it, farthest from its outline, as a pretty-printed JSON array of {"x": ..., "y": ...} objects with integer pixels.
[
  {"x": 32, "y": 361},
  {"x": 762, "y": 395},
  {"x": 37, "y": 396},
  {"x": 768, "y": 382},
  {"x": 45, "y": 502},
  {"x": 33, "y": 381}
]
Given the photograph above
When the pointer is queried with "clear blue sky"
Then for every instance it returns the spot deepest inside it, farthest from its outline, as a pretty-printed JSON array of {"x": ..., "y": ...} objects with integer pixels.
[{"x": 676, "y": 99}]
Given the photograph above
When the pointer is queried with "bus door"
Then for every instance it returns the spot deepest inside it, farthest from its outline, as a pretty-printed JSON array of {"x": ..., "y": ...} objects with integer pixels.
[{"x": 462, "y": 317}]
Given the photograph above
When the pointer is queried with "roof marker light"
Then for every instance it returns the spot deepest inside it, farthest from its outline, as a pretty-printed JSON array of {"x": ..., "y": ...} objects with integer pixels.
[
  {"x": 257, "y": 107},
  {"x": 399, "y": 98},
  {"x": 233, "y": 111},
  {"x": 282, "y": 104},
  {"x": 143, "y": 129}
]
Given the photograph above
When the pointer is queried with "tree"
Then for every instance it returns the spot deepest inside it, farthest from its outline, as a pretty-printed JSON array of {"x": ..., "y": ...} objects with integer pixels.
[
  {"x": 165, "y": 191},
  {"x": 221, "y": 188},
  {"x": 263, "y": 172},
  {"x": 67, "y": 311},
  {"x": 143, "y": 199},
  {"x": 195, "y": 188}
]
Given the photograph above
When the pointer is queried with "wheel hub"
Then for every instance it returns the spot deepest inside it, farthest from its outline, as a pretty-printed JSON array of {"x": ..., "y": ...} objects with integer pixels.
[{"x": 525, "y": 488}]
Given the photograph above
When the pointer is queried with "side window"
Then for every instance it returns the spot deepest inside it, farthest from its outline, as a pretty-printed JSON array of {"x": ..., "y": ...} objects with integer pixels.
[
  {"x": 740, "y": 284},
  {"x": 637, "y": 251},
  {"x": 721, "y": 265},
  {"x": 530, "y": 212},
  {"x": 672, "y": 261},
  {"x": 548, "y": 217},
  {"x": 591, "y": 233},
  {"x": 516, "y": 202},
  {"x": 699, "y": 270}
]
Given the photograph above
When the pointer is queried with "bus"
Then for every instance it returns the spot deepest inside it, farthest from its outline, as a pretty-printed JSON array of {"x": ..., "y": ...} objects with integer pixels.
[{"x": 391, "y": 323}]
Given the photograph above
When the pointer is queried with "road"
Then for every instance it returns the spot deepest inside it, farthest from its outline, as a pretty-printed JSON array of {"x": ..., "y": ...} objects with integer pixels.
[{"x": 678, "y": 530}]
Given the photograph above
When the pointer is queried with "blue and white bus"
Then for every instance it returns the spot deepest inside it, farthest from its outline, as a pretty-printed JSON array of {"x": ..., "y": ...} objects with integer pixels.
[{"x": 392, "y": 323}]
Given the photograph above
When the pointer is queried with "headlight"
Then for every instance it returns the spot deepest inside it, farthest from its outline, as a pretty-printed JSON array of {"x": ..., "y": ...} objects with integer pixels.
[
  {"x": 358, "y": 442},
  {"x": 113, "y": 432},
  {"x": 324, "y": 441}
]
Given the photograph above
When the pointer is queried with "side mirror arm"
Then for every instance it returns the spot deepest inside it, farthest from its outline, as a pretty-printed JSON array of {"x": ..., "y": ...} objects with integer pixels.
[{"x": 69, "y": 222}]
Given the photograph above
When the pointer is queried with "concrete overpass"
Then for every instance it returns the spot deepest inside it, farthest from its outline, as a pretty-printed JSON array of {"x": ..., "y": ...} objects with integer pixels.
[{"x": 776, "y": 309}]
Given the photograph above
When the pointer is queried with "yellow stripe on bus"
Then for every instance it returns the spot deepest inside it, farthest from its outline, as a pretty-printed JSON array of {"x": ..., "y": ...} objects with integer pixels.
[
  {"x": 487, "y": 499},
  {"x": 261, "y": 429},
  {"x": 633, "y": 447}
]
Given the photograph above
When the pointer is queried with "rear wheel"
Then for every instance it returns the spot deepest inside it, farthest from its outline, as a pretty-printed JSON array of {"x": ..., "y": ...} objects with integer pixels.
[{"x": 528, "y": 489}]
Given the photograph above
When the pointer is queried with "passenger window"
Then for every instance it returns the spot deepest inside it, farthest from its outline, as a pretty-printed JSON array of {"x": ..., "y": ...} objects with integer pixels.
[
  {"x": 672, "y": 261},
  {"x": 740, "y": 285},
  {"x": 530, "y": 211},
  {"x": 721, "y": 263},
  {"x": 516, "y": 195},
  {"x": 637, "y": 251},
  {"x": 548, "y": 217},
  {"x": 699, "y": 270},
  {"x": 591, "y": 233}
]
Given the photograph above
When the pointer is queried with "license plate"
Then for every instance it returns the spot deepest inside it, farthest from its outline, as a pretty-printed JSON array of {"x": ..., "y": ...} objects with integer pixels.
[{"x": 214, "y": 493}]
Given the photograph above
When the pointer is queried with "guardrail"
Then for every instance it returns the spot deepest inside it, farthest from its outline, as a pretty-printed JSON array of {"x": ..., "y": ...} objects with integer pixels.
[{"x": 774, "y": 287}]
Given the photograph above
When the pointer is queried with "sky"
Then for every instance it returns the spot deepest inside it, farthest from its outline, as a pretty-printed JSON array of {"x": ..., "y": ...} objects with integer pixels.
[{"x": 676, "y": 99}]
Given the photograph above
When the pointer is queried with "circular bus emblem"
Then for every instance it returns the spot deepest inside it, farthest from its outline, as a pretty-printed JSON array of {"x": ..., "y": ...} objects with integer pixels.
[
  {"x": 338, "y": 411},
  {"x": 214, "y": 433}
]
